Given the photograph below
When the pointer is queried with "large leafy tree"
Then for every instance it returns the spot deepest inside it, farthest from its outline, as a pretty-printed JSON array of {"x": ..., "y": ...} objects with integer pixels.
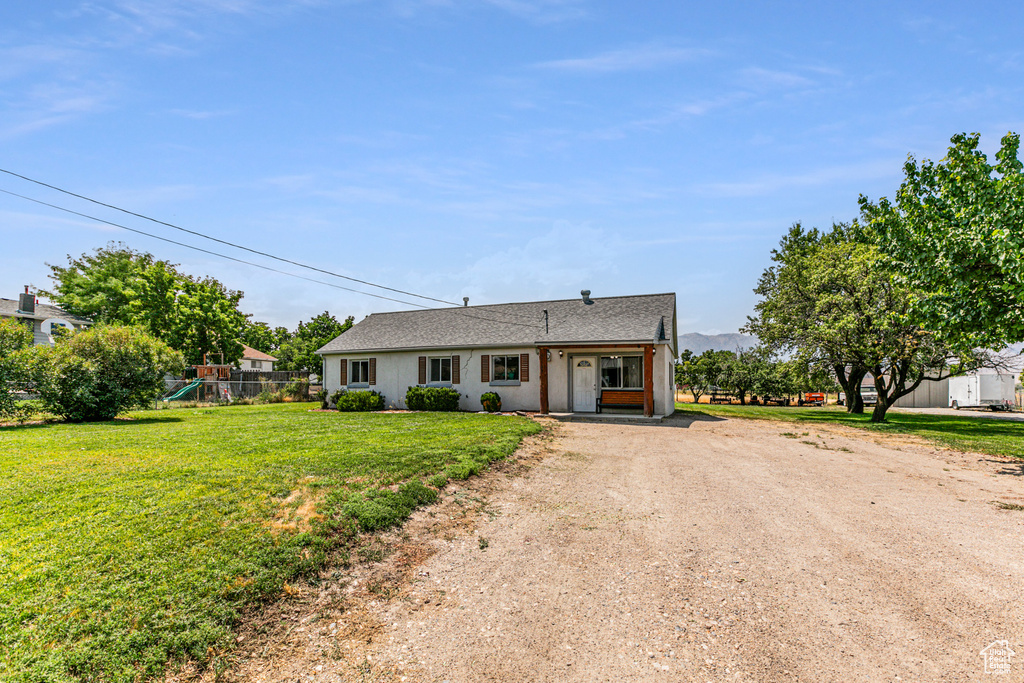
[
  {"x": 955, "y": 233},
  {"x": 120, "y": 286},
  {"x": 833, "y": 299},
  {"x": 784, "y": 317},
  {"x": 700, "y": 373},
  {"x": 262, "y": 337},
  {"x": 15, "y": 340},
  {"x": 299, "y": 352}
]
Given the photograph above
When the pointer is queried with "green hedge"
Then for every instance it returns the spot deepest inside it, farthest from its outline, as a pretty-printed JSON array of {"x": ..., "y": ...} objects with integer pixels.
[
  {"x": 442, "y": 399},
  {"x": 359, "y": 401}
]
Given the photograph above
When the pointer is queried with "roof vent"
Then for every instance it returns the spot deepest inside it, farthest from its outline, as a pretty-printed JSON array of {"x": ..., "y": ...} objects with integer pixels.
[
  {"x": 586, "y": 296},
  {"x": 27, "y": 302},
  {"x": 465, "y": 301}
]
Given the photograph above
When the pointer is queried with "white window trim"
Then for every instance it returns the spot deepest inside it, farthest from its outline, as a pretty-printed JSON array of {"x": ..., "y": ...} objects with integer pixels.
[
  {"x": 621, "y": 356},
  {"x": 506, "y": 382},
  {"x": 439, "y": 382},
  {"x": 351, "y": 362}
]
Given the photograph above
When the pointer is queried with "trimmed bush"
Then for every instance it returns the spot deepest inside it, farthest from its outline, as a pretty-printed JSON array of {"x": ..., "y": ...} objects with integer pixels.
[
  {"x": 441, "y": 399},
  {"x": 491, "y": 402},
  {"x": 102, "y": 372},
  {"x": 321, "y": 396},
  {"x": 359, "y": 402},
  {"x": 335, "y": 397}
]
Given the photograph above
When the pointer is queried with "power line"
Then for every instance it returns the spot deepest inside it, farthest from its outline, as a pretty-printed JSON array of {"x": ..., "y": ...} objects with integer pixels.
[
  {"x": 205, "y": 251},
  {"x": 457, "y": 309},
  {"x": 225, "y": 242}
]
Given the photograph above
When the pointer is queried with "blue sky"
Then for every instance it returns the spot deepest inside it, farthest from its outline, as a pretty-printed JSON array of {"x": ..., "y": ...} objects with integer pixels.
[{"x": 504, "y": 150}]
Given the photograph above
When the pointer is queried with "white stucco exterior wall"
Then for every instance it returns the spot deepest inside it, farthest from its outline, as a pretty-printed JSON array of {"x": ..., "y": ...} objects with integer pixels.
[{"x": 398, "y": 370}]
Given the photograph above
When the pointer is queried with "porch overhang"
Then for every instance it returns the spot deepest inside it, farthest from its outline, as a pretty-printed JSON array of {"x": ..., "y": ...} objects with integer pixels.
[{"x": 647, "y": 347}]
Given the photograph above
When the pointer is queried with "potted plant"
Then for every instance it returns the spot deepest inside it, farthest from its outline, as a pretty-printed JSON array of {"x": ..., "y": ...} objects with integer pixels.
[{"x": 491, "y": 402}]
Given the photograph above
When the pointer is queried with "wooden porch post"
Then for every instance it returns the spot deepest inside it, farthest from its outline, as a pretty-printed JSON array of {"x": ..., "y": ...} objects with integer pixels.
[
  {"x": 648, "y": 380},
  {"x": 543, "y": 380}
]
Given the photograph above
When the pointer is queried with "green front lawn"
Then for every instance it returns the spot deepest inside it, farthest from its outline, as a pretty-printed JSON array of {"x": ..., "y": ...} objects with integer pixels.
[
  {"x": 130, "y": 544},
  {"x": 962, "y": 431}
]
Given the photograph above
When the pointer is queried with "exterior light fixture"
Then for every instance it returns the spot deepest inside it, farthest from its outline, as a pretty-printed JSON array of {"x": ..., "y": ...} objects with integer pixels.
[{"x": 560, "y": 352}]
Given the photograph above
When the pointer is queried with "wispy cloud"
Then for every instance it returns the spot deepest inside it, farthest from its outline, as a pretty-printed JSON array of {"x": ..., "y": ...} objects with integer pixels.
[
  {"x": 629, "y": 59},
  {"x": 200, "y": 115},
  {"x": 773, "y": 183},
  {"x": 544, "y": 11},
  {"x": 50, "y": 104},
  {"x": 758, "y": 77}
]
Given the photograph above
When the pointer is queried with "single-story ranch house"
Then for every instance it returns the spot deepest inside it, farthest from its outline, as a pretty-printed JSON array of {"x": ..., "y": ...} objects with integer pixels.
[{"x": 613, "y": 354}]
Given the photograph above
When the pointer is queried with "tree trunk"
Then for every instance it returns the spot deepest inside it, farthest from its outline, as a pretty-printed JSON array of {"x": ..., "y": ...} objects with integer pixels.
[{"x": 851, "y": 387}]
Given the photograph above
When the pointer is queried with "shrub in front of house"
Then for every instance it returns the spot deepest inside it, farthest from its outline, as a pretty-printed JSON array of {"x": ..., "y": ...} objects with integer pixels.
[
  {"x": 440, "y": 399},
  {"x": 491, "y": 402},
  {"x": 359, "y": 402},
  {"x": 335, "y": 397}
]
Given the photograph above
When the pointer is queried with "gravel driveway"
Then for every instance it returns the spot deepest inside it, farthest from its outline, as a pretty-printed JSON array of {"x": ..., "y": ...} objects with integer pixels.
[{"x": 714, "y": 550}]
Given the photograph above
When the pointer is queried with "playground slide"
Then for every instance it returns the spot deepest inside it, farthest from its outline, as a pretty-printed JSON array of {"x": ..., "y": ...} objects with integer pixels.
[{"x": 191, "y": 386}]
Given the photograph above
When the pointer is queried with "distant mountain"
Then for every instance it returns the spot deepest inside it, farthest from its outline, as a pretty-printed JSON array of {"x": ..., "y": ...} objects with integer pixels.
[{"x": 699, "y": 343}]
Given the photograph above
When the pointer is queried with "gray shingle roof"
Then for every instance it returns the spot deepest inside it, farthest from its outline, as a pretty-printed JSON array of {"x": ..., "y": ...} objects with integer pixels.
[
  {"x": 619, "y": 319},
  {"x": 9, "y": 309}
]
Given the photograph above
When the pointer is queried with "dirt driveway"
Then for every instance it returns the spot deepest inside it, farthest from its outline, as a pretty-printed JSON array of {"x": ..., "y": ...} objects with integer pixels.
[{"x": 711, "y": 551}]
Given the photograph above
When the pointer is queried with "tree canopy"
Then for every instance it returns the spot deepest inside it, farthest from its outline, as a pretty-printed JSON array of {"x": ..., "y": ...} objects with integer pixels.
[
  {"x": 117, "y": 285},
  {"x": 955, "y": 234},
  {"x": 299, "y": 351},
  {"x": 831, "y": 299}
]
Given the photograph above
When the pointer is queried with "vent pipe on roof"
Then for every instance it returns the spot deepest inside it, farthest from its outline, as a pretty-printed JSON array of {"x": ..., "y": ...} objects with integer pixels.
[
  {"x": 586, "y": 296},
  {"x": 465, "y": 301}
]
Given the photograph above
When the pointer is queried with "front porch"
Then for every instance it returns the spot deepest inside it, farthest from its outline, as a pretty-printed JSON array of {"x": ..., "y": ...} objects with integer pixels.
[{"x": 607, "y": 380}]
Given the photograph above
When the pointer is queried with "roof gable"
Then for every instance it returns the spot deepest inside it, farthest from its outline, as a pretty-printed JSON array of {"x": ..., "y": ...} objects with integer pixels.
[
  {"x": 249, "y": 353},
  {"x": 644, "y": 318}
]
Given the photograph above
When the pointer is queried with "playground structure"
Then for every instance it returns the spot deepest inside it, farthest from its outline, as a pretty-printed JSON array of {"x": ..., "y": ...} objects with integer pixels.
[{"x": 220, "y": 382}]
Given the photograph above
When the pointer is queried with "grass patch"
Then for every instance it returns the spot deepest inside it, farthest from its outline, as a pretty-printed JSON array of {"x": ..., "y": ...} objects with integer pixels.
[
  {"x": 1008, "y": 506},
  {"x": 962, "y": 432},
  {"x": 130, "y": 544}
]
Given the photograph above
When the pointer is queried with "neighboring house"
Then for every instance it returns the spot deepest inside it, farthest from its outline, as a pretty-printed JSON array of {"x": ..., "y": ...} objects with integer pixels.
[
  {"x": 44, "y": 320},
  {"x": 613, "y": 354},
  {"x": 256, "y": 360}
]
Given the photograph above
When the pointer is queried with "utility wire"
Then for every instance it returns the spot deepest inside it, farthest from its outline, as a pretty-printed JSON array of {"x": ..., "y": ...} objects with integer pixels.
[
  {"x": 206, "y": 251},
  {"x": 239, "y": 246},
  {"x": 457, "y": 309},
  {"x": 225, "y": 242}
]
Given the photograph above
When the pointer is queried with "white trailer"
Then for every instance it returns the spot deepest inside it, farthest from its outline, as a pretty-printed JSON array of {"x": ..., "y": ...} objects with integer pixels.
[{"x": 995, "y": 391}]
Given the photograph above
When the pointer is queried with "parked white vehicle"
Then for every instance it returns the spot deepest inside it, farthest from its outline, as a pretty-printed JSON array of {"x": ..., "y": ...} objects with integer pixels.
[{"x": 995, "y": 391}]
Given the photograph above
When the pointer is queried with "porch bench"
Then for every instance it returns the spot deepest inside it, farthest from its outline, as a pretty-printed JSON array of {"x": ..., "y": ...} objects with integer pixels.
[{"x": 620, "y": 399}]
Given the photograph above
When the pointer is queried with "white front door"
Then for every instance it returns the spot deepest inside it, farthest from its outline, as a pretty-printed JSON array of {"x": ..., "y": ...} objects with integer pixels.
[{"x": 584, "y": 385}]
